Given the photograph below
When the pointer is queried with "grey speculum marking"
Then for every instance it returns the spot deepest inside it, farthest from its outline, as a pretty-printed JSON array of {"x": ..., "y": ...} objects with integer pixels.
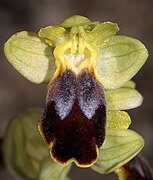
[{"x": 84, "y": 88}]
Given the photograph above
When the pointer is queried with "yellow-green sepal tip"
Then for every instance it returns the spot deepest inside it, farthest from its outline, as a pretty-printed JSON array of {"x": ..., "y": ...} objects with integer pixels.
[
  {"x": 123, "y": 98},
  {"x": 30, "y": 56},
  {"x": 119, "y": 60}
]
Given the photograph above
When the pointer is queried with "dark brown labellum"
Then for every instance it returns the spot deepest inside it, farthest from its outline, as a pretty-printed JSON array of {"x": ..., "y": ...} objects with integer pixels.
[{"x": 74, "y": 119}]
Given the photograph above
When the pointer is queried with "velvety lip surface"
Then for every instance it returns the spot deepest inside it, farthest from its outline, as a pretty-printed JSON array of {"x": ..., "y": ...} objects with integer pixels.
[{"x": 74, "y": 119}]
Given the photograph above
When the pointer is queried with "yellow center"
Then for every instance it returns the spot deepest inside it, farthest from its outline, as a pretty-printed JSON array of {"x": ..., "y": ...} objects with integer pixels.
[{"x": 75, "y": 53}]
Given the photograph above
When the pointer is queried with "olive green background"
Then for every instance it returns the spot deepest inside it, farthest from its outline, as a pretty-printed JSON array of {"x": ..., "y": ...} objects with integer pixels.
[{"x": 135, "y": 19}]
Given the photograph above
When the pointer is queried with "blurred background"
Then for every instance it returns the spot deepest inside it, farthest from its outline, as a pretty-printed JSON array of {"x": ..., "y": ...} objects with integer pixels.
[{"x": 135, "y": 19}]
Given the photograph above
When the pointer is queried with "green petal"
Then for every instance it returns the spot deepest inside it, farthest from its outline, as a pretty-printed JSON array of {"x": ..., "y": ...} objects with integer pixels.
[
  {"x": 30, "y": 56},
  {"x": 101, "y": 33},
  {"x": 118, "y": 119},
  {"x": 75, "y": 20},
  {"x": 52, "y": 34},
  {"x": 23, "y": 147},
  {"x": 123, "y": 99},
  {"x": 119, "y": 147},
  {"x": 130, "y": 84},
  {"x": 53, "y": 171},
  {"x": 119, "y": 60}
]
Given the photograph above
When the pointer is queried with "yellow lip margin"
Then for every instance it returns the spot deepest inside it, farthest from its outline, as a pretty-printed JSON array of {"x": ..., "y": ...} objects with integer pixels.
[{"x": 70, "y": 160}]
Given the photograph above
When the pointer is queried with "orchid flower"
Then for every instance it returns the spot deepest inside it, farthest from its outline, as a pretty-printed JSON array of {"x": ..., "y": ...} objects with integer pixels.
[{"x": 88, "y": 69}]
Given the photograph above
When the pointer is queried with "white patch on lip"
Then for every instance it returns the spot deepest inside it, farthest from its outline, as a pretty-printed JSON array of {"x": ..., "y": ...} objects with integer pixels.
[{"x": 74, "y": 59}]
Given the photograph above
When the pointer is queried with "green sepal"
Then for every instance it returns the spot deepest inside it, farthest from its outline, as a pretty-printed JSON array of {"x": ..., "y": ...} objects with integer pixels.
[
  {"x": 101, "y": 34},
  {"x": 123, "y": 99},
  {"x": 51, "y": 170},
  {"x": 119, "y": 147},
  {"x": 75, "y": 20},
  {"x": 23, "y": 147},
  {"x": 118, "y": 119},
  {"x": 119, "y": 60},
  {"x": 130, "y": 84},
  {"x": 30, "y": 56},
  {"x": 53, "y": 34}
]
